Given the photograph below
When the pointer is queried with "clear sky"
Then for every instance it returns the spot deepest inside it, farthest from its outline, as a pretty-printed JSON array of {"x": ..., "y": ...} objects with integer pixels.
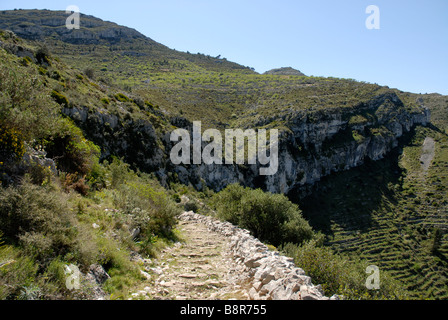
[{"x": 320, "y": 37}]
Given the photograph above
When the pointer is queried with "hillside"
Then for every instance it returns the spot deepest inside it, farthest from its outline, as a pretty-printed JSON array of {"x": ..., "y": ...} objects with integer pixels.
[
  {"x": 366, "y": 164},
  {"x": 287, "y": 71}
]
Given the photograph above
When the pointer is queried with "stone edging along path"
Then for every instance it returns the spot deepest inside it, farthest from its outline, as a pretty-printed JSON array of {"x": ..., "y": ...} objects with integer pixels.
[{"x": 270, "y": 276}]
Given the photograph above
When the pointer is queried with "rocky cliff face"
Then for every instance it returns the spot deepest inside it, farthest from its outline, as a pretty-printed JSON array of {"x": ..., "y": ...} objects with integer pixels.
[
  {"x": 118, "y": 135},
  {"x": 42, "y": 24},
  {"x": 316, "y": 144},
  {"x": 319, "y": 144}
]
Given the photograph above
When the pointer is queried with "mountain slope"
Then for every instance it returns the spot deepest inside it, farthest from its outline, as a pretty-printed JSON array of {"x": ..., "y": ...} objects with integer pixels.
[
  {"x": 288, "y": 71},
  {"x": 349, "y": 151},
  {"x": 103, "y": 39}
]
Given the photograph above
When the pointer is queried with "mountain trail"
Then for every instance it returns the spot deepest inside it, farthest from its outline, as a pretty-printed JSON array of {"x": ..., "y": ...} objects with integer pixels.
[
  {"x": 198, "y": 267},
  {"x": 428, "y": 152}
]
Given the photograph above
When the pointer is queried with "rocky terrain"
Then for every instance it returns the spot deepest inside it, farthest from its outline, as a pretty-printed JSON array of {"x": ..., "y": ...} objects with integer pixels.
[
  {"x": 315, "y": 145},
  {"x": 219, "y": 261}
]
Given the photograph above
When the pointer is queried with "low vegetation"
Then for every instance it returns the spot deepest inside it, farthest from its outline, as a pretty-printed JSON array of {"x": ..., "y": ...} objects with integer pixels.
[
  {"x": 278, "y": 222},
  {"x": 272, "y": 218},
  {"x": 84, "y": 213},
  {"x": 391, "y": 214}
]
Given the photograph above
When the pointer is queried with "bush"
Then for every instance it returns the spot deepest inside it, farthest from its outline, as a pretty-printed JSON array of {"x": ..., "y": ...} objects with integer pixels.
[
  {"x": 152, "y": 211},
  {"x": 145, "y": 205},
  {"x": 270, "y": 217},
  {"x": 15, "y": 275},
  {"x": 341, "y": 275},
  {"x": 191, "y": 206},
  {"x": 117, "y": 173},
  {"x": 25, "y": 104},
  {"x": 39, "y": 175},
  {"x": 56, "y": 75},
  {"x": 89, "y": 72},
  {"x": 40, "y": 220},
  {"x": 59, "y": 98},
  {"x": 121, "y": 97},
  {"x": 42, "y": 55},
  {"x": 12, "y": 147},
  {"x": 72, "y": 152},
  {"x": 71, "y": 181},
  {"x": 25, "y": 61}
]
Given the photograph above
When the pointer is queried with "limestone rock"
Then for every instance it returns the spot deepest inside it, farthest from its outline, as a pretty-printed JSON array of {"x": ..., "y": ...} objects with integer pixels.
[
  {"x": 98, "y": 273},
  {"x": 271, "y": 275}
]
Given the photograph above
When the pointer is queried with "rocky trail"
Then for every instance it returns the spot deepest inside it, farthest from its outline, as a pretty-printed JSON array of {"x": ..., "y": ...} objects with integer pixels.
[
  {"x": 198, "y": 267},
  {"x": 428, "y": 152},
  {"x": 217, "y": 261}
]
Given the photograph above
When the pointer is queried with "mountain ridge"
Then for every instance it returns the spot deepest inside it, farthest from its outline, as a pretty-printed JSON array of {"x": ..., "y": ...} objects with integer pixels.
[{"x": 285, "y": 71}]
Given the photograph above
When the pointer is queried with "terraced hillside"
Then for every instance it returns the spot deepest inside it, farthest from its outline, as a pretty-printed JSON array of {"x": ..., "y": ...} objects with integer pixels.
[{"x": 392, "y": 212}]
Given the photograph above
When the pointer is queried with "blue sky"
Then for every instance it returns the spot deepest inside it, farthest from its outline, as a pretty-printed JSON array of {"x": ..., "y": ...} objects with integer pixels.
[{"x": 320, "y": 37}]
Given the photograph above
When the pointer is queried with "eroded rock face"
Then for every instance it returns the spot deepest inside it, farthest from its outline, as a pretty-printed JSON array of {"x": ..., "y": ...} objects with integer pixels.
[
  {"x": 270, "y": 275},
  {"x": 314, "y": 146},
  {"x": 317, "y": 145},
  {"x": 49, "y": 23},
  {"x": 134, "y": 140}
]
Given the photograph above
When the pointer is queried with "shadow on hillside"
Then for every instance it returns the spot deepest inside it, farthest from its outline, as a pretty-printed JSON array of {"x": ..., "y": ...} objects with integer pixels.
[{"x": 347, "y": 200}]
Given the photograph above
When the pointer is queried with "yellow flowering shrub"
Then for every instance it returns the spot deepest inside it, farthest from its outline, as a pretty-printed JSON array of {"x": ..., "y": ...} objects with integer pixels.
[{"x": 12, "y": 146}]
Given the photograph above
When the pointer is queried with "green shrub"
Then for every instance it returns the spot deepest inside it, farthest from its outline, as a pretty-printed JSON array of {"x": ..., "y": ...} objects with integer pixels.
[
  {"x": 143, "y": 203},
  {"x": 73, "y": 152},
  {"x": 176, "y": 198},
  {"x": 40, "y": 220},
  {"x": 340, "y": 275},
  {"x": 359, "y": 138},
  {"x": 25, "y": 104},
  {"x": 270, "y": 217},
  {"x": 191, "y": 206},
  {"x": 357, "y": 120},
  {"x": 42, "y": 55},
  {"x": 435, "y": 241},
  {"x": 38, "y": 174},
  {"x": 152, "y": 211},
  {"x": 117, "y": 173},
  {"x": 25, "y": 61},
  {"x": 97, "y": 176},
  {"x": 20, "y": 272},
  {"x": 90, "y": 73},
  {"x": 12, "y": 147},
  {"x": 121, "y": 97},
  {"x": 56, "y": 75},
  {"x": 43, "y": 71},
  {"x": 59, "y": 98}
]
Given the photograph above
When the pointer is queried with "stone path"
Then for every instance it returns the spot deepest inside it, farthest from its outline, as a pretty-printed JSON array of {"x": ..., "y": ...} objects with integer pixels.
[
  {"x": 428, "y": 151},
  {"x": 218, "y": 261},
  {"x": 197, "y": 268}
]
